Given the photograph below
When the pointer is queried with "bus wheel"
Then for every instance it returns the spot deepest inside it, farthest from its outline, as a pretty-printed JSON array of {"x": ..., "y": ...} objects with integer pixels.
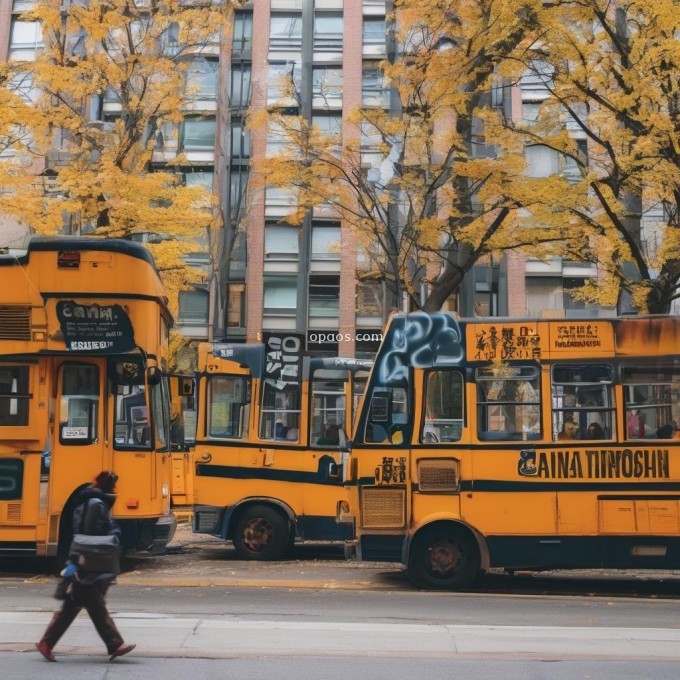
[
  {"x": 261, "y": 533},
  {"x": 443, "y": 558}
]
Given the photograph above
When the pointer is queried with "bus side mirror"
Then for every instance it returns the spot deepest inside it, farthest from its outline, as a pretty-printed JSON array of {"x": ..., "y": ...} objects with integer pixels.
[
  {"x": 187, "y": 389},
  {"x": 153, "y": 375}
]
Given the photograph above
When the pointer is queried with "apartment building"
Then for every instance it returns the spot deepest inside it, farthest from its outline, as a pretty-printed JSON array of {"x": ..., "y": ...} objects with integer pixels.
[{"x": 278, "y": 277}]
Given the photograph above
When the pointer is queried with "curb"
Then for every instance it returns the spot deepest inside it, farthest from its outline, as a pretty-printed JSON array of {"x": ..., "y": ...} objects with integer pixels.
[{"x": 193, "y": 582}]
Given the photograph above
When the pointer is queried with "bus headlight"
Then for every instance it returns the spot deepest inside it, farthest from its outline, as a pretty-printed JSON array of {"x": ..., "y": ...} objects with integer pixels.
[{"x": 165, "y": 489}]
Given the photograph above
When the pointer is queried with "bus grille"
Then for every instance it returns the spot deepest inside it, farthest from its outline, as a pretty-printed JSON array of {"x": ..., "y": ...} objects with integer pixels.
[
  {"x": 15, "y": 323},
  {"x": 14, "y": 512},
  {"x": 437, "y": 474},
  {"x": 383, "y": 507}
]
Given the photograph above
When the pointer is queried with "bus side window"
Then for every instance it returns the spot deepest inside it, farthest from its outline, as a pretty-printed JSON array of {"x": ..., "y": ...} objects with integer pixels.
[
  {"x": 328, "y": 388},
  {"x": 652, "y": 400},
  {"x": 227, "y": 398},
  {"x": 582, "y": 401},
  {"x": 388, "y": 416},
  {"x": 280, "y": 410},
  {"x": 14, "y": 396},
  {"x": 79, "y": 404},
  {"x": 443, "y": 421},
  {"x": 508, "y": 403}
]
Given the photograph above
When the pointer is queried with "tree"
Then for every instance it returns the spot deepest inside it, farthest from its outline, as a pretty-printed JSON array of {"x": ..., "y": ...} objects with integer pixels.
[
  {"x": 611, "y": 72},
  {"x": 130, "y": 58},
  {"x": 16, "y": 116},
  {"x": 423, "y": 190}
]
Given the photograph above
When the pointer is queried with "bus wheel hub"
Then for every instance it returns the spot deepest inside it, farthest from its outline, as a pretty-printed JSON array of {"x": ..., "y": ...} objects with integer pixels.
[
  {"x": 257, "y": 534},
  {"x": 444, "y": 557}
]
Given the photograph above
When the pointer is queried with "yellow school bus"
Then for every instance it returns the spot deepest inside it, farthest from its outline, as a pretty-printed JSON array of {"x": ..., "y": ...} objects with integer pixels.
[
  {"x": 519, "y": 444},
  {"x": 83, "y": 349},
  {"x": 271, "y": 430}
]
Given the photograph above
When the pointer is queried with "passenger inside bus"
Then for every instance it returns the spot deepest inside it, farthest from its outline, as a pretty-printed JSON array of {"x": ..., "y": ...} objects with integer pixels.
[
  {"x": 595, "y": 431},
  {"x": 330, "y": 436},
  {"x": 280, "y": 430},
  {"x": 569, "y": 430}
]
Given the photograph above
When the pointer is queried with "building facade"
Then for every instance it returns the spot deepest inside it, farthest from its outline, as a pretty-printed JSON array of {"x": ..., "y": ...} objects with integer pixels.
[{"x": 271, "y": 276}]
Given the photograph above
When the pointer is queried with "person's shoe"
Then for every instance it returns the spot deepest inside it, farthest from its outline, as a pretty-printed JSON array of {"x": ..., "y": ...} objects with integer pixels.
[
  {"x": 45, "y": 650},
  {"x": 123, "y": 649}
]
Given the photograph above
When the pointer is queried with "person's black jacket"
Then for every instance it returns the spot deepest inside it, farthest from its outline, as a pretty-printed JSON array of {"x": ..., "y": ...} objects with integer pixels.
[{"x": 97, "y": 519}]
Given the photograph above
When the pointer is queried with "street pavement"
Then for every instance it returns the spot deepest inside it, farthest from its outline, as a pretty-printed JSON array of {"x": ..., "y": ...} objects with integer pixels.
[
  {"x": 231, "y": 636},
  {"x": 205, "y": 563},
  {"x": 202, "y": 560}
]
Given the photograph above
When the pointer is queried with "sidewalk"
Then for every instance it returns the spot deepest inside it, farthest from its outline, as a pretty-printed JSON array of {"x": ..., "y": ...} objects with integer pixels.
[{"x": 230, "y": 636}]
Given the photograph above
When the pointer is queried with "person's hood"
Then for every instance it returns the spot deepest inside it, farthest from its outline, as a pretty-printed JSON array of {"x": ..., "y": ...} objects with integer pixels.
[{"x": 94, "y": 492}]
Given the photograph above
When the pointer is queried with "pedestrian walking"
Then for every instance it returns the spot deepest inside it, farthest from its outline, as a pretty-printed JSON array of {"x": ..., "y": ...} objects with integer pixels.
[{"x": 88, "y": 588}]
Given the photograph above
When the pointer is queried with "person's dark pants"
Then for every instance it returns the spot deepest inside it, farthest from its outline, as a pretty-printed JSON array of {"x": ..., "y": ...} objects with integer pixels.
[{"x": 89, "y": 597}]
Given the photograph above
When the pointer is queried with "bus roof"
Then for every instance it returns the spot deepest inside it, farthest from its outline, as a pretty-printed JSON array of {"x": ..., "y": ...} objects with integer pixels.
[
  {"x": 70, "y": 243},
  {"x": 439, "y": 339}
]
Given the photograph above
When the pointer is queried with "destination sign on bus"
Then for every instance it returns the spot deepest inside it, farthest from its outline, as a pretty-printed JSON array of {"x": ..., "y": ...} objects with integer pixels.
[{"x": 104, "y": 329}]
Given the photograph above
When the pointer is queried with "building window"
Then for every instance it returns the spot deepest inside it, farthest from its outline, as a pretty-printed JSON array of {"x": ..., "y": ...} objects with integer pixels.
[
  {"x": 329, "y": 123},
  {"x": 238, "y": 184},
  {"x": 375, "y": 90},
  {"x": 324, "y": 296},
  {"x": 198, "y": 134},
  {"x": 326, "y": 243},
  {"x": 243, "y": 32},
  {"x": 536, "y": 81},
  {"x": 170, "y": 39},
  {"x": 328, "y": 28},
  {"x": 240, "y": 140},
  {"x": 543, "y": 292},
  {"x": 367, "y": 343},
  {"x": 284, "y": 82},
  {"x": 21, "y": 84},
  {"x": 542, "y": 161},
  {"x": 370, "y": 298},
  {"x": 280, "y": 242},
  {"x": 236, "y": 314},
  {"x": 239, "y": 94},
  {"x": 374, "y": 31},
  {"x": 25, "y": 41},
  {"x": 193, "y": 306},
  {"x": 20, "y": 6},
  {"x": 280, "y": 295},
  {"x": 327, "y": 84},
  {"x": 285, "y": 31},
  {"x": 199, "y": 178},
  {"x": 201, "y": 79}
]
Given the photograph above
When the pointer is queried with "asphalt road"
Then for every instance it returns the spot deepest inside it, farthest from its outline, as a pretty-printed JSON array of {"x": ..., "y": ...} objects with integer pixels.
[
  {"x": 195, "y": 560},
  {"x": 288, "y": 633},
  {"x": 198, "y": 611}
]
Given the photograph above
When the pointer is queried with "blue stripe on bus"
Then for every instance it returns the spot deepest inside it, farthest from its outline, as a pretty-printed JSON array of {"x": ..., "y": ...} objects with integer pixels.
[
  {"x": 238, "y": 472},
  {"x": 494, "y": 485}
]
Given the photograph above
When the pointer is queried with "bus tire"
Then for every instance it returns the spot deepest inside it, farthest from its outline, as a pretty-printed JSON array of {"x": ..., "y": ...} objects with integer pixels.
[
  {"x": 443, "y": 557},
  {"x": 261, "y": 533}
]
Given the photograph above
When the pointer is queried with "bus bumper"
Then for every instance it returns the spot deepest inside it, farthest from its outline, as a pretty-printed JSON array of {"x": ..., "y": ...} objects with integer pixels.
[
  {"x": 207, "y": 520},
  {"x": 163, "y": 532}
]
